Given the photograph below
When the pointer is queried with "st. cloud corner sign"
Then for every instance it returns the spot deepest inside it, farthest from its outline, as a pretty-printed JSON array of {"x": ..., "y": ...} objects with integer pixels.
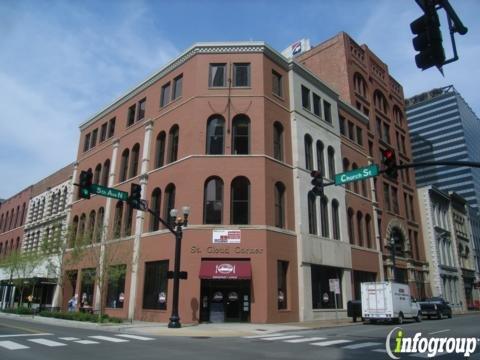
[{"x": 226, "y": 236}]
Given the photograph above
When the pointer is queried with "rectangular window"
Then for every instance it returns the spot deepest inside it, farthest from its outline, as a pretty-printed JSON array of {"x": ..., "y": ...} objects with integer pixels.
[
  {"x": 405, "y": 200},
  {"x": 165, "y": 95},
  {"x": 379, "y": 128},
  {"x": 322, "y": 297},
  {"x": 111, "y": 127},
  {"x": 403, "y": 148},
  {"x": 412, "y": 209},
  {"x": 327, "y": 110},
  {"x": 282, "y": 272},
  {"x": 305, "y": 97},
  {"x": 386, "y": 133},
  {"x": 103, "y": 132},
  {"x": 277, "y": 83},
  {"x": 131, "y": 115},
  {"x": 342, "y": 125},
  {"x": 155, "y": 285},
  {"x": 386, "y": 196},
  {"x": 370, "y": 148},
  {"x": 177, "y": 87},
  {"x": 359, "y": 136},
  {"x": 241, "y": 75},
  {"x": 86, "y": 142},
  {"x": 351, "y": 131},
  {"x": 141, "y": 109},
  {"x": 217, "y": 75},
  {"x": 87, "y": 287},
  {"x": 395, "y": 200},
  {"x": 116, "y": 286},
  {"x": 93, "y": 141},
  {"x": 317, "y": 105}
]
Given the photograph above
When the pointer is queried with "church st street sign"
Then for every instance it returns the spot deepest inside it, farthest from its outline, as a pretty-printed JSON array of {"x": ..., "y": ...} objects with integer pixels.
[{"x": 356, "y": 175}]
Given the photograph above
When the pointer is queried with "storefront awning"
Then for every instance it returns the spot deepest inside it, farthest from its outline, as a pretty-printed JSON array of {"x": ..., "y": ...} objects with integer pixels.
[{"x": 225, "y": 269}]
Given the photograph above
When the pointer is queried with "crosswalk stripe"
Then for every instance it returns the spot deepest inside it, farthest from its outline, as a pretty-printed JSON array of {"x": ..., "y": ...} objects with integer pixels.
[
  {"x": 47, "y": 342},
  {"x": 281, "y": 337},
  {"x": 108, "y": 338},
  {"x": 23, "y": 335},
  {"x": 11, "y": 345},
  {"x": 331, "y": 342},
  {"x": 86, "y": 342},
  {"x": 261, "y": 336},
  {"x": 135, "y": 337},
  {"x": 69, "y": 338},
  {"x": 295, "y": 341},
  {"x": 361, "y": 345}
]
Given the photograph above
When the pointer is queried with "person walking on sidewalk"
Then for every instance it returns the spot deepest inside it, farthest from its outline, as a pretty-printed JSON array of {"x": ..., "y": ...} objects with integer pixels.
[{"x": 29, "y": 300}]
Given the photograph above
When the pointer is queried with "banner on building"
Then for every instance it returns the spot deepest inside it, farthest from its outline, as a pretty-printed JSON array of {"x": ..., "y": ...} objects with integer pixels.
[{"x": 226, "y": 236}]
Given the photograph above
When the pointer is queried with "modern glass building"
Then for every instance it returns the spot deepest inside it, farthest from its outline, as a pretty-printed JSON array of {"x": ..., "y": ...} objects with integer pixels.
[{"x": 444, "y": 128}]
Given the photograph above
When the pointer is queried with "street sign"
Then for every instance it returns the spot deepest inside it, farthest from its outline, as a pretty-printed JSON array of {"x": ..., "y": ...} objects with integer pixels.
[
  {"x": 108, "y": 192},
  {"x": 356, "y": 175},
  {"x": 334, "y": 285}
]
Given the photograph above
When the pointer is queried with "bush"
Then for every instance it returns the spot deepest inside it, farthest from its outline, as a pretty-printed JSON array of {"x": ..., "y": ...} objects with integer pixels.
[
  {"x": 80, "y": 316},
  {"x": 22, "y": 310}
]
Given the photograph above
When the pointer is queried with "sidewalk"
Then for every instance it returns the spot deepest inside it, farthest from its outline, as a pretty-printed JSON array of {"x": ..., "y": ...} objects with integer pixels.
[{"x": 188, "y": 330}]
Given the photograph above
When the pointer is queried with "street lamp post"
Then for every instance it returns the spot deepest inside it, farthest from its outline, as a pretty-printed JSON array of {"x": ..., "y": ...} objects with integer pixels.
[{"x": 175, "y": 227}]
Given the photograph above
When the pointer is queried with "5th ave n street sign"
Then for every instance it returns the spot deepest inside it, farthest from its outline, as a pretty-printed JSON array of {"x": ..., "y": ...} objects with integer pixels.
[
  {"x": 109, "y": 192},
  {"x": 356, "y": 175}
]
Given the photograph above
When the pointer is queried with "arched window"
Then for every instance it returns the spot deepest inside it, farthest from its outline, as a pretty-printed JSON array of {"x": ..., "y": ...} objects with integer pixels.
[
  {"x": 279, "y": 205},
  {"x": 360, "y": 228},
  {"x": 397, "y": 115},
  {"x": 308, "y": 152},
  {"x": 128, "y": 223},
  {"x": 117, "y": 220},
  {"x": 173, "y": 143},
  {"x": 215, "y": 135},
  {"x": 1, "y": 225},
  {"x": 355, "y": 183},
  {"x": 99, "y": 228},
  {"x": 360, "y": 85},
  {"x": 81, "y": 228},
  {"x": 335, "y": 220},
  {"x": 160, "y": 149},
  {"x": 169, "y": 202},
  {"x": 364, "y": 188},
  {"x": 399, "y": 240},
  {"x": 105, "y": 173},
  {"x": 124, "y": 165},
  {"x": 134, "y": 160},
  {"x": 155, "y": 206},
  {"x": 240, "y": 201},
  {"x": 17, "y": 215},
  {"x": 12, "y": 215},
  {"x": 240, "y": 135},
  {"x": 324, "y": 216},
  {"x": 346, "y": 165},
  {"x": 331, "y": 163},
  {"x": 74, "y": 230},
  {"x": 368, "y": 230},
  {"x": 312, "y": 214},
  {"x": 351, "y": 235},
  {"x": 380, "y": 101},
  {"x": 96, "y": 174},
  {"x": 213, "y": 201},
  {"x": 17, "y": 243},
  {"x": 91, "y": 226},
  {"x": 23, "y": 214},
  {"x": 320, "y": 158},
  {"x": 278, "y": 141}
]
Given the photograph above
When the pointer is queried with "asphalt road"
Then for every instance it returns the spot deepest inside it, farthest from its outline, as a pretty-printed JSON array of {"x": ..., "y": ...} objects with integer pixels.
[{"x": 33, "y": 341}]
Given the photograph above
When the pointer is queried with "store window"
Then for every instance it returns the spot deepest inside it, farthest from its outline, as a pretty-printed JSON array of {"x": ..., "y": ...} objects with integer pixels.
[
  {"x": 155, "y": 285},
  {"x": 87, "y": 287},
  {"x": 322, "y": 297},
  {"x": 116, "y": 286},
  {"x": 282, "y": 272}
]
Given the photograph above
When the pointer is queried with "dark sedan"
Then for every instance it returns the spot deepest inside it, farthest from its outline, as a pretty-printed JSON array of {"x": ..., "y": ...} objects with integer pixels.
[{"x": 435, "y": 307}]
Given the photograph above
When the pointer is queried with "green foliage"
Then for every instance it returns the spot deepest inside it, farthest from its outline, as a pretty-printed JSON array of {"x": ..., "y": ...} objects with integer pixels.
[
  {"x": 22, "y": 310},
  {"x": 80, "y": 316}
]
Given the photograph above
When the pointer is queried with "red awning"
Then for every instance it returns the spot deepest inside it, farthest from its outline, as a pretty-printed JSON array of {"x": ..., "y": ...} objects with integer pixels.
[{"x": 225, "y": 269}]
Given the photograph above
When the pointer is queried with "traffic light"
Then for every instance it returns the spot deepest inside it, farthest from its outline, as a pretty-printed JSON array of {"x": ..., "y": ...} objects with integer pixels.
[
  {"x": 85, "y": 182},
  {"x": 429, "y": 38},
  {"x": 317, "y": 182},
  {"x": 135, "y": 197},
  {"x": 390, "y": 163}
]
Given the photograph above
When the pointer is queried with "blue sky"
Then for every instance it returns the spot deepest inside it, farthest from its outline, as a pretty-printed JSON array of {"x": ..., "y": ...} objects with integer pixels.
[{"x": 62, "y": 61}]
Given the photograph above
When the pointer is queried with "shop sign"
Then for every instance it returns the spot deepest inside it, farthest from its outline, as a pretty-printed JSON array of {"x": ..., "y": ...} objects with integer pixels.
[
  {"x": 226, "y": 236},
  {"x": 334, "y": 285},
  {"x": 162, "y": 298},
  {"x": 233, "y": 296},
  {"x": 225, "y": 269},
  {"x": 218, "y": 296},
  {"x": 325, "y": 297}
]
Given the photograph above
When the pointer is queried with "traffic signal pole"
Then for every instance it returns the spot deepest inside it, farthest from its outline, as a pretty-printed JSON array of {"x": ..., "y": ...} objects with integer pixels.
[{"x": 436, "y": 163}]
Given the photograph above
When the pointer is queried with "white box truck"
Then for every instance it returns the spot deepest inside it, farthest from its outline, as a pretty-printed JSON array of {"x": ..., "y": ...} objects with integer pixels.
[{"x": 388, "y": 301}]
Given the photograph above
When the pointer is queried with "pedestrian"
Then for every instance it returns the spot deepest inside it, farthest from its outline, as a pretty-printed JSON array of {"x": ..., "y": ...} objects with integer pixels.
[
  {"x": 72, "y": 303},
  {"x": 29, "y": 300}
]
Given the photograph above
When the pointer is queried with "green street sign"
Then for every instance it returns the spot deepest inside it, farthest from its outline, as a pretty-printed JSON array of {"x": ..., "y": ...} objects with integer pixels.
[
  {"x": 108, "y": 192},
  {"x": 356, "y": 175}
]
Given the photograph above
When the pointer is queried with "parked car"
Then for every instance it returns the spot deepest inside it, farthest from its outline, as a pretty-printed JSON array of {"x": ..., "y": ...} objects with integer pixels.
[
  {"x": 436, "y": 307},
  {"x": 388, "y": 301}
]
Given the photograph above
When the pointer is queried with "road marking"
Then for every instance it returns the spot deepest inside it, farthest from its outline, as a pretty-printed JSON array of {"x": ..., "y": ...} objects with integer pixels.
[
  {"x": 295, "y": 341},
  {"x": 69, "y": 338},
  {"x": 47, "y": 342},
  {"x": 331, "y": 342},
  {"x": 361, "y": 345},
  {"x": 261, "y": 336},
  {"x": 10, "y": 345},
  {"x": 108, "y": 338},
  {"x": 438, "y": 332},
  {"x": 22, "y": 335},
  {"x": 86, "y": 342},
  {"x": 135, "y": 337},
  {"x": 281, "y": 337},
  {"x": 425, "y": 355}
]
